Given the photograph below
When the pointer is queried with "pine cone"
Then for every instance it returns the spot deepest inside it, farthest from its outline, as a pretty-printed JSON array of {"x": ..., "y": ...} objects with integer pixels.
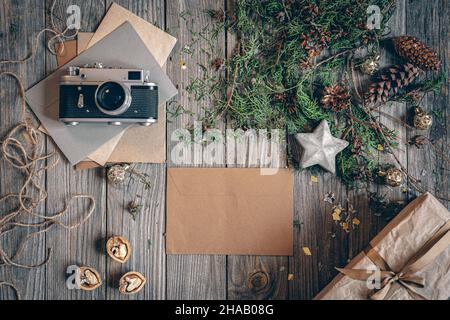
[
  {"x": 395, "y": 78},
  {"x": 416, "y": 52},
  {"x": 336, "y": 97}
]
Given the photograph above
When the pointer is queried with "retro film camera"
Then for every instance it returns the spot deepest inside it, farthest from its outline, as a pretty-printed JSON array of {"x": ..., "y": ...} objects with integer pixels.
[{"x": 107, "y": 95}]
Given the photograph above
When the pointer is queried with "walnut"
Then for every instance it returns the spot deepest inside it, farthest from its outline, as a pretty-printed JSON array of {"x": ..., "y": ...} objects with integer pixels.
[
  {"x": 89, "y": 279},
  {"x": 131, "y": 283},
  {"x": 119, "y": 248}
]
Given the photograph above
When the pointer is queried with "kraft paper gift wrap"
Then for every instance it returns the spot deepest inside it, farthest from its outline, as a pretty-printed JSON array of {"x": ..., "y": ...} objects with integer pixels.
[
  {"x": 404, "y": 240},
  {"x": 229, "y": 211}
]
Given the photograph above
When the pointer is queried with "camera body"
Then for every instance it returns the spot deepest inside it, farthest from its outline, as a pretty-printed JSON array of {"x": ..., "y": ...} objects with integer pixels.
[{"x": 107, "y": 95}]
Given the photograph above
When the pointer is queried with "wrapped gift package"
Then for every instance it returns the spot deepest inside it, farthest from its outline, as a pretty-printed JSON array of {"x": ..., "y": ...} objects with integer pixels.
[{"x": 408, "y": 260}]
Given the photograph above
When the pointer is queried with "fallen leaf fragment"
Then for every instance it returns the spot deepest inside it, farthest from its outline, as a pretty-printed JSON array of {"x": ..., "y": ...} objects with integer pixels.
[
  {"x": 307, "y": 251},
  {"x": 314, "y": 179},
  {"x": 356, "y": 222},
  {"x": 345, "y": 226},
  {"x": 291, "y": 277},
  {"x": 337, "y": 214}
]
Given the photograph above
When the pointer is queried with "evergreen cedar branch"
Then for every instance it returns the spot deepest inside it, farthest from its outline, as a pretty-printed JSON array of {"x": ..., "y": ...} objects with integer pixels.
[{"x": 273, "y": 82}]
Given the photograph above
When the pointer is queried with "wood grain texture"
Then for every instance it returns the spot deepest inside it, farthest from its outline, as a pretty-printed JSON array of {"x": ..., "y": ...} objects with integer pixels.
[
  {"x": 146, "y": 233},
  {"x": 315, "y": 229},
  {"x": 251, "y": 277},
  {"x": 192, "y": 277},
  {"x": 18, "y": 20},
  {"x": 428, "y": 20},
  {"x": 81, "y": 246},
  {"x": 371, "y": 225},
  {"x": 201, "y": 277}
]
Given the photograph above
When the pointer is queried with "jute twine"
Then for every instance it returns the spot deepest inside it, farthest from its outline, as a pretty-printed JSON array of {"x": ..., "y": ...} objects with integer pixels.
[
  {"x": 57, "y": 37},
  {"x": 23, "y": 150}
]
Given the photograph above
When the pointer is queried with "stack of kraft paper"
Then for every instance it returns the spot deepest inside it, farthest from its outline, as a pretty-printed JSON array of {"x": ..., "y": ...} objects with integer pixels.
[{"x": 122, "y": 40}]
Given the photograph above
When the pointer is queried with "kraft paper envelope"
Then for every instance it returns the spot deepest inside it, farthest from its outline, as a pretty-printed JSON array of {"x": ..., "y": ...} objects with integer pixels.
[
  {"x": 123, "y": 48},
  {"x": 83, "y": 41},
  {"x": 72, "y": 48},
  {"x": 153, "y": 150},
  {"x": 160, "y": 45},
  {"x": 98, "y": 158},
  {"x": 158, "y": 42},
  {"x": 229, "y": 212},
  {"x": 66, "y": 52}
]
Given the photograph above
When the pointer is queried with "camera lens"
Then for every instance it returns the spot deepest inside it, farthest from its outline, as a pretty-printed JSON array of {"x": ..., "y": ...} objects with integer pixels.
[{"x": 112, "y": 98}]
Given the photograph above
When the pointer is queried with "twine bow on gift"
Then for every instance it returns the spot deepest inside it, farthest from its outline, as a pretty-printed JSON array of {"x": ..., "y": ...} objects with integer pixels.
[{"x": 406, "y": 277}]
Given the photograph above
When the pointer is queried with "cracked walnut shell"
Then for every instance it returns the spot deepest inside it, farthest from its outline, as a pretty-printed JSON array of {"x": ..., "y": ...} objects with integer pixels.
[
  {"x": 131, "y": 283},
  {"x": 89, "y": 279},
  {"x": 119, "y": 248}
]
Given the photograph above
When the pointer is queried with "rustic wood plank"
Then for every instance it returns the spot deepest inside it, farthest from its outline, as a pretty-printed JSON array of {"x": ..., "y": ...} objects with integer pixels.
[
  {"x": 333, "y": 246},
  {"x": 192, "y": 277},
  {"x": 82, "y": 246},
  {"x": 17, "y": 32},
  {"x": 428, "y": 20},
  {"x": 252, "y": 277},
  {"x": 315, "y": 229},
  {"x": 146, "y": 234},
  {"x": 371, "y": 225},
  {"x": 257, "y": 278},
  {"x": 202, "y": 277}
]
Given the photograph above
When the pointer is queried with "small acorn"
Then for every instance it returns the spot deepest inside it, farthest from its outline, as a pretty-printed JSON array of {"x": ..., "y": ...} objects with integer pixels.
[
  {"x": 89, "y": 279},
  {"x": 119, "y": 249},
  {"x": 131, "y": 283},
  {"x": 422, "y": 120}
]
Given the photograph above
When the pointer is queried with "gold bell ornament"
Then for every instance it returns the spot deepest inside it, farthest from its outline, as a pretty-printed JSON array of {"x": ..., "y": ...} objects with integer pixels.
[
  {"x": 393, "y": 177},
  {"x": 370, "y": 65},
  {"x": 422, "y": 120}
]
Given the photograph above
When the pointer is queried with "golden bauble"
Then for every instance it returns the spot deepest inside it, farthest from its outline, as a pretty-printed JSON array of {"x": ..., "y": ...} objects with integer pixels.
[
  {"x": 370, "y": 65},
  {"x": 394, "y": 177},
  {"x": 422, "y": 120}
]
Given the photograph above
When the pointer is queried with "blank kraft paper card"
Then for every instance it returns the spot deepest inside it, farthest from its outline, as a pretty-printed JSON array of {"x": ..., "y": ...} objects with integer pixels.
[{"x": 229, "y": 212}]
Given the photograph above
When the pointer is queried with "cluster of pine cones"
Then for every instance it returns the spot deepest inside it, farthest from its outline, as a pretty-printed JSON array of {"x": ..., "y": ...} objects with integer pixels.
[{"x": 419, "y": 58}]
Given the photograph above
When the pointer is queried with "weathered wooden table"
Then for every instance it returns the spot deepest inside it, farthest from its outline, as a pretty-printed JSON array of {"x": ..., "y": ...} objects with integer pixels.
[{"x": 199, "y": 277}]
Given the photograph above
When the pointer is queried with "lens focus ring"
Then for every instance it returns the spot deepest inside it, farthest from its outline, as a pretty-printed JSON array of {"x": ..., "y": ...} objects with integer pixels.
[{"x": 113, "y": 98}]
